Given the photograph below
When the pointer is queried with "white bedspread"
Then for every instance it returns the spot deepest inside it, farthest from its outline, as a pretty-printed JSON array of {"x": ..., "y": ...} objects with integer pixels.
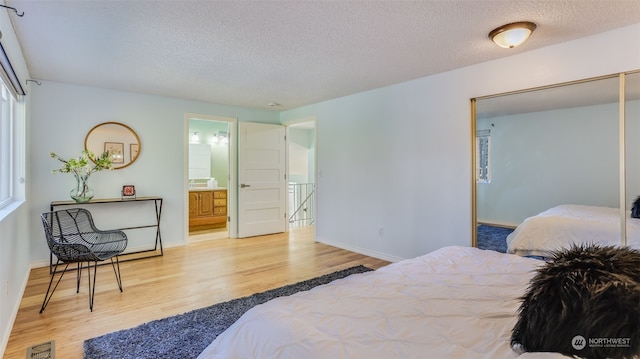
[
  {"x": 456, "y": 302},
  {"x": 560, "y": 227}
]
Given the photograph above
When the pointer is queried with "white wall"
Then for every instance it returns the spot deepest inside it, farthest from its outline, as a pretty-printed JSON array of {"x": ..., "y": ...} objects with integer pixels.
[
  {"x": 62, "y": 114},
  {"x": 14, "y": 268},
  {"x": 14, "y": 228},
  {"x": 301, "y": 155},
  {"x": 399, "y": 158},
  {"x": 219, "y": 151}
]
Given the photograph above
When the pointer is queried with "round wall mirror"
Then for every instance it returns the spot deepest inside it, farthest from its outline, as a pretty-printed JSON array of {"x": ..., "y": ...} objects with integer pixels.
[{"x": 119, "y": 140}]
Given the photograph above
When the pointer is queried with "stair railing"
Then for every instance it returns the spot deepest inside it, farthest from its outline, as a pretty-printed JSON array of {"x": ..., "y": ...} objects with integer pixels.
[{"x": 303, "y": 213}]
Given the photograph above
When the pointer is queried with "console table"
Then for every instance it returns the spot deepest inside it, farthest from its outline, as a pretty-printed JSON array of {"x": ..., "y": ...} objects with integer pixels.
[{"x": 104, "y": 201}]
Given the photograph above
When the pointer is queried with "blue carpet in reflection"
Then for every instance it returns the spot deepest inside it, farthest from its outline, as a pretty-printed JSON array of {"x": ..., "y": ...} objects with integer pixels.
[{"x": 493, "y": 238}]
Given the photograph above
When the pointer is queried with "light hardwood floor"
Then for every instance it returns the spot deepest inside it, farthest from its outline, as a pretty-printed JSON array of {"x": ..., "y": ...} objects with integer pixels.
[{"x": 198, "y": 275}]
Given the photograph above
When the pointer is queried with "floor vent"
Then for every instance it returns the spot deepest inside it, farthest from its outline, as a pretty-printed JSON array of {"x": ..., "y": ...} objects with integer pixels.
[{"x": 42, "y": 351}]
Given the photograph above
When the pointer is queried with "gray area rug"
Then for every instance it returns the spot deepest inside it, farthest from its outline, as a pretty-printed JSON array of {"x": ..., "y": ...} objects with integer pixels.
[{"x": 186, "y": 335}]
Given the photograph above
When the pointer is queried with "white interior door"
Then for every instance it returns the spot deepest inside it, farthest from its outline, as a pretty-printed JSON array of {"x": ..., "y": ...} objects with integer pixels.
[{"x": 262, "y": 189}]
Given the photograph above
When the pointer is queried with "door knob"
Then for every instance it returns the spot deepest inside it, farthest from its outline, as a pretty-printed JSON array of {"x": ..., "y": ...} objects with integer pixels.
[{"x": 242, "y": 185}]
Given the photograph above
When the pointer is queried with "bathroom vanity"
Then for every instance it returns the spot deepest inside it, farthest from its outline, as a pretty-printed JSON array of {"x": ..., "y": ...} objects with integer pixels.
[{"x": 207, "y": 208}]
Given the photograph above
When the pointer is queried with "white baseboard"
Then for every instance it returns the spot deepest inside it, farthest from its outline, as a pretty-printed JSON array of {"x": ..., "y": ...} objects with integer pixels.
[
  {"x": 498, "y": 224},
  {"x": 363, "y": 251}
]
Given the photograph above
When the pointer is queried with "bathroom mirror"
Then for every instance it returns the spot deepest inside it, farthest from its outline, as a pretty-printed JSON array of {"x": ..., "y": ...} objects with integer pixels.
[{"x": 122, "y": 143}]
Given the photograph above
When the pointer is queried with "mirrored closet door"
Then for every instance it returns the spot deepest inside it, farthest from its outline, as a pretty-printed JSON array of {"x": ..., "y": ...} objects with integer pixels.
[{"x": 569, "y": 144}]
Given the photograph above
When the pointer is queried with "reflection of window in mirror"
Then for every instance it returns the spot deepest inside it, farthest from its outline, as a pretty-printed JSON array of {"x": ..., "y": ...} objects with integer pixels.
[{"x": 483, "y": 162}]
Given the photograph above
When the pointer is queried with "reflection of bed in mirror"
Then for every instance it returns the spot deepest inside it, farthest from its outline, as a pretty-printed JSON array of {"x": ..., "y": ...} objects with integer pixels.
[{"x": 566, "y": 225}]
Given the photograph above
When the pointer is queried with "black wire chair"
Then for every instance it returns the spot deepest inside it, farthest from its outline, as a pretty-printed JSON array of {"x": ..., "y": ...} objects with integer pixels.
[{"x": 73, "y": 238}]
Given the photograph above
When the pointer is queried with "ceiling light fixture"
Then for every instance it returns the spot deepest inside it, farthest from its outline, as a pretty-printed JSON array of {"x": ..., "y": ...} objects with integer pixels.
[{"x": 512, "y": 35}]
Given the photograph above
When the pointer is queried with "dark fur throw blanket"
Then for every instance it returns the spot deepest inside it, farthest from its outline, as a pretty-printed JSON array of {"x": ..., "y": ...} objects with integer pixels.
[
  {"x": 635, "y": 209},
  {"x": 583, "y": 303}
]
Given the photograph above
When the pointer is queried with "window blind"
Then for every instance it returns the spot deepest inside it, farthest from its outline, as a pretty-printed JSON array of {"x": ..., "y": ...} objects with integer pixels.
[{"x": 8, "y": 75}]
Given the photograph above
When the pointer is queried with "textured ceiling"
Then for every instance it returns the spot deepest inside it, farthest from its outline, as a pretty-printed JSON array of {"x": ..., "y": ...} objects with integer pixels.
[{"x": 294, "y": 53}]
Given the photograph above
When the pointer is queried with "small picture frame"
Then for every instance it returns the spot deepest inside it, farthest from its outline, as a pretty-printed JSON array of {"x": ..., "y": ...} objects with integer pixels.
[
  {"x": 128, "y": 192},
  {"x": 115, "y": 150}
]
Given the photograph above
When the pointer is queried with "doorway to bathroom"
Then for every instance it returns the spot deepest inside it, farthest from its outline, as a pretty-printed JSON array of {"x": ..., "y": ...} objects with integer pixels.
[{"x": 209, "y": 176}]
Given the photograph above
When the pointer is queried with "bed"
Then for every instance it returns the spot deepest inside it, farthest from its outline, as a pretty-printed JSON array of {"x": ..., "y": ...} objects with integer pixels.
[
  {"x": 456, "y": 302},
  {"x": 562, "y": 226}
]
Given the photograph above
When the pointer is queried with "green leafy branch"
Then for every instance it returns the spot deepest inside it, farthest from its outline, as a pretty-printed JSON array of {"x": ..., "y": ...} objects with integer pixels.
[{"x": 86, "y": 164}]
